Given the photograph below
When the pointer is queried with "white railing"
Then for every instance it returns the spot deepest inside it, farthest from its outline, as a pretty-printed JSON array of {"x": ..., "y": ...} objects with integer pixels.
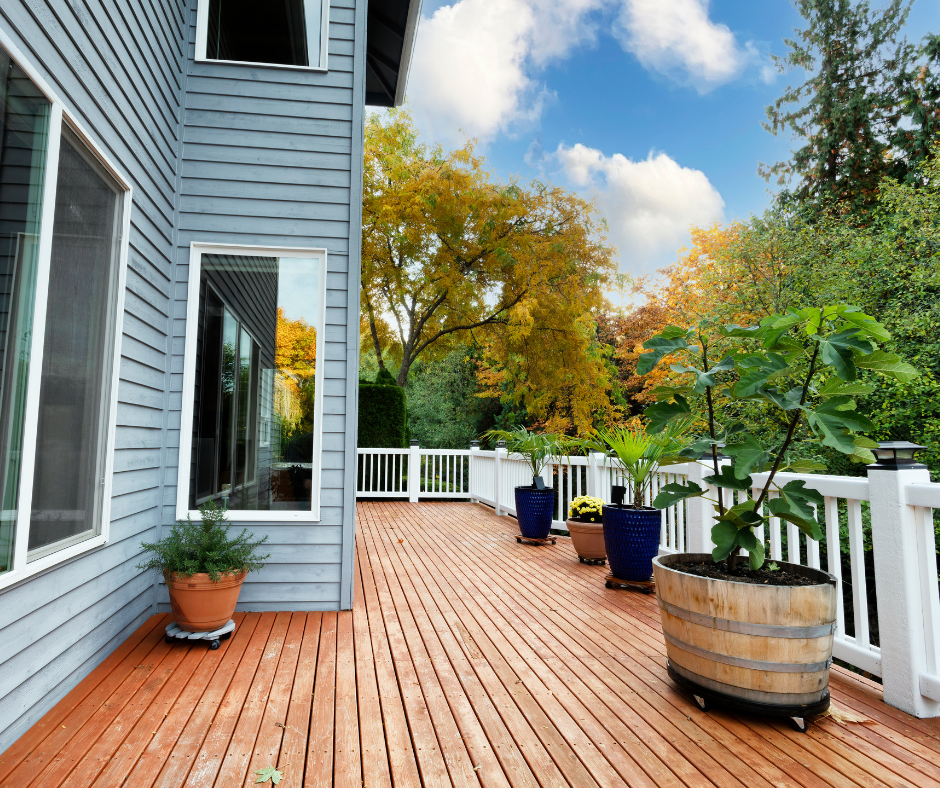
[
  {"x": 439, "y": 473},
  {"x": 893, "y": 508}
]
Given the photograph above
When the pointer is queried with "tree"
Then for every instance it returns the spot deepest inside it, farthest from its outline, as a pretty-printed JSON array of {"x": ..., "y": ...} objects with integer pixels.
[
  {"x": 450, "y": 256},
  {"x": 849, "y": 111}
]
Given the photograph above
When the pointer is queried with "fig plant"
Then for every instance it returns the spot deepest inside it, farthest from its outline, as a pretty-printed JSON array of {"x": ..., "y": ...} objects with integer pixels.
[{"x": 806, "y": 364}]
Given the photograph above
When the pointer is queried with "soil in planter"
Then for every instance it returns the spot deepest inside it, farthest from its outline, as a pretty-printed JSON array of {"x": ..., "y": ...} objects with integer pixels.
[{"x": 760, "y": 577}]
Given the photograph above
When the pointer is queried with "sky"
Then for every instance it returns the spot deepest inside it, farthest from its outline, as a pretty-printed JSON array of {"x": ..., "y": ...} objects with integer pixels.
[{"x": 653, "y": 108}]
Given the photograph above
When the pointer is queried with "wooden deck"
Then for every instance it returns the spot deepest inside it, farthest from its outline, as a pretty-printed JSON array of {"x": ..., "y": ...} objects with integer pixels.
[{"x": 468, "y": 660}]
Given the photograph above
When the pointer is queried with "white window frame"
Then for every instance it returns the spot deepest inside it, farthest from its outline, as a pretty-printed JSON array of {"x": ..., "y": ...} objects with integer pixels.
[
  {"x": 196, "y": 251},
  {"x": 202, "y": 35},
  {"x": 60, "y": 116}
]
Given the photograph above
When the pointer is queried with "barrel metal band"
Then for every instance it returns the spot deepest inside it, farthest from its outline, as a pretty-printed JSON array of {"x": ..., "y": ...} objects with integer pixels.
[
  {"x": 750, "y": 664},
  {"x": 745, "y": 628}
]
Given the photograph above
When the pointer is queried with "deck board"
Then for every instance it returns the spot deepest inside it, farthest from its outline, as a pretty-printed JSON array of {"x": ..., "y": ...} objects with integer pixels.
[{"x": 468, "y": 660}]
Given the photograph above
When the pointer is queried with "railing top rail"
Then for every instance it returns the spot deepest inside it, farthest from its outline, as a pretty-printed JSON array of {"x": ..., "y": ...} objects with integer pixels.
[
  {"x": 923, "y": 495},
  {"x": 448, "y": 452},
  {"x": 852, "y": 488},
  {"x": 382, "y": 451}
]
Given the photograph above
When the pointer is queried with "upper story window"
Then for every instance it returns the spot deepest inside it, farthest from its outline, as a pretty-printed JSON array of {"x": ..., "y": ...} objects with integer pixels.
[
  {"x": 252, "y": 384},
  {"x": 63, "y": 219},
  {"x": 290, "y": 33}
]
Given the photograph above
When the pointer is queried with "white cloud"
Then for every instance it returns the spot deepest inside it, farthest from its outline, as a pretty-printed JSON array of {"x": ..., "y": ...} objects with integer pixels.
[
  {"x": 649, "y": 205},
  {"x": 476, "y": 61},
  {"x": 676, "y": 38}
]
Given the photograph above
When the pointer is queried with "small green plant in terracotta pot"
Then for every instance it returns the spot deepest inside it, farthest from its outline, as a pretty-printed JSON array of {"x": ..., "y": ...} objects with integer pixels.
[{"x": 204, "y": 568}]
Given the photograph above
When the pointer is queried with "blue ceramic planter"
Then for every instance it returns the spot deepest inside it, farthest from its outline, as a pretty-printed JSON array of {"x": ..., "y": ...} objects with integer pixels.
[
  {"x": 632, "y": 540},
  {"x": 534, "y": 511}
]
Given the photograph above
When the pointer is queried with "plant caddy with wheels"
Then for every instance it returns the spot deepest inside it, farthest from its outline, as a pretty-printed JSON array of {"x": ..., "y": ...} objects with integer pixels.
[
  {"x": 204, "y": 569},
  {"x": 748, "y": 636},
  {"x": 535, "y": 503}
]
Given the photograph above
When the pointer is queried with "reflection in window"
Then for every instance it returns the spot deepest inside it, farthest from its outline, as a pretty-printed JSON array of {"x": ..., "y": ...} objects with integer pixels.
[
  {"x": 255, "y": 383},
  {"x": 282, "y": 33},
  {"x": 24, "y": 120}
]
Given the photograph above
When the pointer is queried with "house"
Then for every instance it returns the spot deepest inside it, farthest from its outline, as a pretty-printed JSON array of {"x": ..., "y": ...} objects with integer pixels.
[{"x": 180, "y": 218}]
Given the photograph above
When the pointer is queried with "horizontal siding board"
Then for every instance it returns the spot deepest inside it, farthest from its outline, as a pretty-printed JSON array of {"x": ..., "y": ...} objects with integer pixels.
[
  {"x": 242, "y": 120},
  {"x": 293, "y": 210}
]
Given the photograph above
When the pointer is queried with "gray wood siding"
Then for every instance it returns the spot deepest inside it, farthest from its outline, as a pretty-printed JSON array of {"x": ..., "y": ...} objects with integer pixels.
[
  {"x": 272, "y": 157},
  {"x": 118, "y": 68}
]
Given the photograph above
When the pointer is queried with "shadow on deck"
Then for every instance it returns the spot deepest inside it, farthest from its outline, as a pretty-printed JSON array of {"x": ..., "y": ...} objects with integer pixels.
[{"x": 468, "y": 660}]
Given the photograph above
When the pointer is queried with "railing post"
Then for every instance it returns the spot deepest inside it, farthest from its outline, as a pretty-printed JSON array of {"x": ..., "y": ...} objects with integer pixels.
[
  {"x": 498, "y": 456},
  {"x": 897, "y": 584},
  {"x": 595, "y": 475},
  {"x": 414, "y": 472},
  {"x": 472, "y": 469}
]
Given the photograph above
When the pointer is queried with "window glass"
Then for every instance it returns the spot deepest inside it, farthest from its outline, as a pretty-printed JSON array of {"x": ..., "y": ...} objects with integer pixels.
[
  {"x": 282, "y": 33},
  {"x": 75, "y": 385},
  {"x": 255, "y": 383},
  {"x": 24, "y": 124}
]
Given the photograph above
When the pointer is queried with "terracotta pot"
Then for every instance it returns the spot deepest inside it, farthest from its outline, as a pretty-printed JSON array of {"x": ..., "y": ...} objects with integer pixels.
[
  {"x": 758, "y": 648},
  {"x": 587, "y": 538},
  {"x": 199, "y": 605}
]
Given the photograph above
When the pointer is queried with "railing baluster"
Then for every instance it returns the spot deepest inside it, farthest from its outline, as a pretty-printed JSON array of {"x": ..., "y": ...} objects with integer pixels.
[
  {"x": 834, "y": 556},
  {"x": 859, "y": 583},
  {"x": 776, "y": 551}
]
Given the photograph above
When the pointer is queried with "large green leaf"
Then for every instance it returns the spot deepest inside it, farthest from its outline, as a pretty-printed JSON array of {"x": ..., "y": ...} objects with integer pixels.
[
  {"x": 660, "y": 346},
  {"x": 837, "y": 388},
  {"x": 751, "y": 332},
  {"x": 674, "y": 492},
  {"x": 666, "y": 393},
  {"x": 841, "y": 350},
  {"x": 809, "y": 527},
  {"x": 729, "y": 480},
  {"x": 888, "y": 364},
  {"x": 835, "y": 419},
  {"x": 725, "y": 537},
  {"x": 789, "y": 400},
  {"x": 777, "y": 326},
  {"x": 704, "y": 380},
  {"x": 755, "y": 550},
  {"x": 749, "y": 455},
  {"x": 661, "y": 413},
  {"x": 867, "y": 325},
  {"x": 803, "y": 466}
]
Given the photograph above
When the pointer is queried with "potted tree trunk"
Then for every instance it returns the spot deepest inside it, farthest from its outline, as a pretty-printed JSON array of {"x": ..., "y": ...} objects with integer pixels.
[
  {"x": 586, "y": 526},
  {"x": 204, "y": 568},
  {"x": 738, "y": 632},
  {"x": 536, "y": 503}
]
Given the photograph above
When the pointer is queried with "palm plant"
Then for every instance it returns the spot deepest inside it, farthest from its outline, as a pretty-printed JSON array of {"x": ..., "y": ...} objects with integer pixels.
[
  {"x": 536, "y": 448},
  {"x": 640, "y": 455}
]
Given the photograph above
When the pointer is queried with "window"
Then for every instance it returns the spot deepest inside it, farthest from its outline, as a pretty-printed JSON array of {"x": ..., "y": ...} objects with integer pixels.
[
  {"x": 290, "y": 33},
  {"x": 63, "y": 213},
  {"x": 252, "y": 386}
]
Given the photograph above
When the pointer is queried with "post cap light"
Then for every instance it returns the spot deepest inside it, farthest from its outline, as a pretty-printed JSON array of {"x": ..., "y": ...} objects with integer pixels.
[
  {"x": 897, "y": 454},
  {"x": 500, "y": 444},
  {"x": 414, "y": 443},
  {"x": 474, "y": 444}
]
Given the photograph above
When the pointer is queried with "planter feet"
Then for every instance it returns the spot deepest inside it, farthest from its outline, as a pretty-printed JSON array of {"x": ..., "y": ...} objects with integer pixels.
[
  {"x": 593, "y": 561},
  {"x": 643, "y": 586},
  {"x": 174, "y": 633},
  {"x": 707, "y": 699},
  {"x": 520, "y": 539}
]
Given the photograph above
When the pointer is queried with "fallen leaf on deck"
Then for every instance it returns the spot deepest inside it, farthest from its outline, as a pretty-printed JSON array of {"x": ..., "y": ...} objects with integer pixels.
[
  {"x": 843, "y": 716},
  {"x": 269, "y": 773}
]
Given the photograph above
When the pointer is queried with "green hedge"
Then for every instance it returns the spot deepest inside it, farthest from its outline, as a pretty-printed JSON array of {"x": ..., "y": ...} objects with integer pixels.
[{"x": 383, "y": 417}]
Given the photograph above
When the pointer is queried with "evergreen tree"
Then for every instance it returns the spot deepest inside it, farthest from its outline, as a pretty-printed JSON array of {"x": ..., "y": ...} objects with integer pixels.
[{"x": 849, "y": 109}]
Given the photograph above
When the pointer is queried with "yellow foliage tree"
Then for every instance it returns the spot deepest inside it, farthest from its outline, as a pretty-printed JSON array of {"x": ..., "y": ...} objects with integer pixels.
[{"x": 449, "y": 255}]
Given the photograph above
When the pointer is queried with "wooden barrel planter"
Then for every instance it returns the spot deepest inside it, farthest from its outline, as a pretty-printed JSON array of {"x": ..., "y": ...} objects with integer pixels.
[{"x": 758, "y": 648}]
